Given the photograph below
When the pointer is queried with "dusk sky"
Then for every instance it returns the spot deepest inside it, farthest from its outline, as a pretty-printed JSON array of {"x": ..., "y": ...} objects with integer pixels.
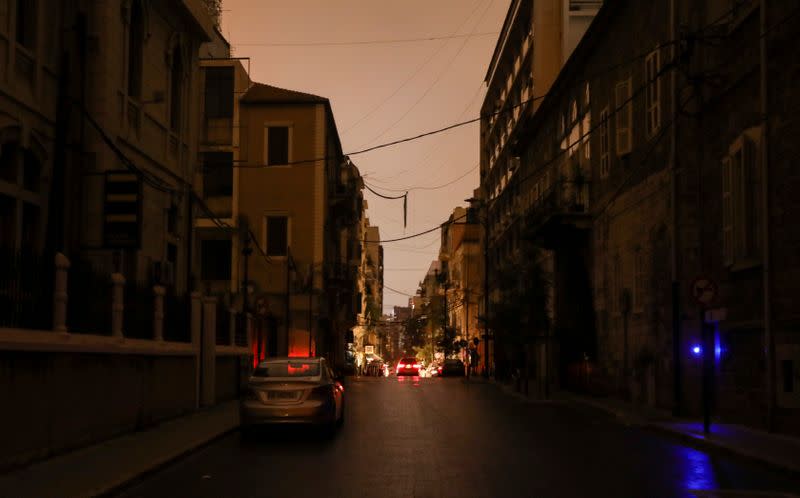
[{"x": 382, "y": 92}]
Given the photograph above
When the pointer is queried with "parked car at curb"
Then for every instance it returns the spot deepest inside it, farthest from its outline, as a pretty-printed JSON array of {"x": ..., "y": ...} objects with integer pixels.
[
  {"x": 452, "y": 368},
  {"x": 293, "y": 391}
]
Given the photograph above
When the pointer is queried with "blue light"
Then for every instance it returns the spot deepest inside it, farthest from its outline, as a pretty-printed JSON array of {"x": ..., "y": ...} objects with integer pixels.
[{"x": 697, "y": 350}]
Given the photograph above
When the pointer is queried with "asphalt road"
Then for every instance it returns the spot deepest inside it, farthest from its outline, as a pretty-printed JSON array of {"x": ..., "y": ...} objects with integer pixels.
[{"x": 413, "y": 437}]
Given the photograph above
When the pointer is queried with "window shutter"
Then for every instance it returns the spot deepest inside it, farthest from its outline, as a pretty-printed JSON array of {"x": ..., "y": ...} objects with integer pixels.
[
  {"x": 727, "y": 212},
  {"x": 623, "y": 110},
  {"x": 752, "y": 197}
]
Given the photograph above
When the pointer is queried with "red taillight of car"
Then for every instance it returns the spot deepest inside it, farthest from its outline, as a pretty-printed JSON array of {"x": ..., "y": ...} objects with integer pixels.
[
  {"x": 401, "y": 365},
  {"x": 439, "y": 369},
  {"x": 417, "y": 365}
]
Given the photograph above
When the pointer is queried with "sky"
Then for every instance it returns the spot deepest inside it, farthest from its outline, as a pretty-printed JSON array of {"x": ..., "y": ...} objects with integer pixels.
[{"x": 381, "y": 92}]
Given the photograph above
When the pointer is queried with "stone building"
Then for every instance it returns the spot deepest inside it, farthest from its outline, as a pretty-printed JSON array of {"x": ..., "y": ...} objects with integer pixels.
[{"x": 646, "y": 169}]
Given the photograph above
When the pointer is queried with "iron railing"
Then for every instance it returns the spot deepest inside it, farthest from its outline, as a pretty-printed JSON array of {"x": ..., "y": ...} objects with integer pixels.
[
  {"x": 89, "y": 299},
  {"x": 223, "y": 324},
  {"x": 177, "y": 318},
  {"x": 26, "y": 289},
  {"x": 138, "y": 314}
]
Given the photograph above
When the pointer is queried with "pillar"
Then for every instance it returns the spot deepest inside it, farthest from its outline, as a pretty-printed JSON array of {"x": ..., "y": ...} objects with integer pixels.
[{"x": 60, "y": 296}]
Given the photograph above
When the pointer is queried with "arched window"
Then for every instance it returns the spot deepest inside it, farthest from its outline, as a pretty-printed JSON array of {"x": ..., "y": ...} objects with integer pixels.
[
  {"x": 176, "y": 88},
  {"x": 135, "y": 48}
]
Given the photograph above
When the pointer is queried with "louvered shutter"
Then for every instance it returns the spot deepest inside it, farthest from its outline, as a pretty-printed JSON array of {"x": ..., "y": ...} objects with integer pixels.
[{"x": 727, "y": 212}]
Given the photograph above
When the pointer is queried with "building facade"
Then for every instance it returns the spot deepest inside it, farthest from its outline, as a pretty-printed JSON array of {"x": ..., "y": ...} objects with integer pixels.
[
  {"x": 299, "y": 202},
  {"x": 653, "y": 269}
]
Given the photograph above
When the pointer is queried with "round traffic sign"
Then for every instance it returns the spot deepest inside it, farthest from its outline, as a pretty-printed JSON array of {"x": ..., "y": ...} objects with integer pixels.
[{"x": 704, "y": 290}]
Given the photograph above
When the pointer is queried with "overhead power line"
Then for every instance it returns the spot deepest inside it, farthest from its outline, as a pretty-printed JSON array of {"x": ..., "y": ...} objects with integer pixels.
[
  {"x": 436, "y": 187},
  {"x": 366, "y": 42},
  {"x": 413, "y": 74}
]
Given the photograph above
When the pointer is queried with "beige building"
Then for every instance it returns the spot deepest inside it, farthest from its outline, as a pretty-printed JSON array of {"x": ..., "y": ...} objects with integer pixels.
[
  {"x": 224, "y": 80},
  {"x": 300, "y": 199},
  {"x": 460, "y": 254},
  {"x": 370, "y": 288}
]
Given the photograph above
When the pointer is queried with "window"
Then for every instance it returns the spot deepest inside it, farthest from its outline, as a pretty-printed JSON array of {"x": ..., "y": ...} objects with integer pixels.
[
  {"x": 638, "y": 281},
  {"x": 740, "y": 203},
  {"x": 277, "y": 234},
  {"x": 787, "y": 369},
  {"x": 278, "y": 142},
  {"x": 217, "y": 174},
  {"x": 176, "y": 89},
  {"x": 624, "y": 111},
  {"x": 215, "y": 260},
  {"x": 604, "y": 143},
  {"x": 135, "y": 47},
  {"x": 652, "y": 66},
  {"x": 616, "y": 284},
  {"x": 219, "y": 92},
  {"x": 26, "y": 23}
]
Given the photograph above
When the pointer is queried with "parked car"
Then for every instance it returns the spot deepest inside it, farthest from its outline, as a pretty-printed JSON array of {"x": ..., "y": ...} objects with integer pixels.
[
  {"x": 409, "y": 366},
  {"x": 452, "y": 368},
  {"x": 434, "y": 370},
  {"x": 293, "y": 391}
]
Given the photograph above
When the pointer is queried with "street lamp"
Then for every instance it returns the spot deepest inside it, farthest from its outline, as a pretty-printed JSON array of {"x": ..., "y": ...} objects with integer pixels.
[{"x": 485, "y": 222}]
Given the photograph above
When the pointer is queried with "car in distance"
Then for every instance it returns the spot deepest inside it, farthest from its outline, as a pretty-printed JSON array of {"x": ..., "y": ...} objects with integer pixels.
[
  {"x": 408, "y": 366},
  {"x": 452, "y": 368},
  {"x": 293, "y": 391}
]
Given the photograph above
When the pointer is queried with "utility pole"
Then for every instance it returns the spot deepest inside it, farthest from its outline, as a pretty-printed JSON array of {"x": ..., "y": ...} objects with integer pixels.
[
  {"x": 246, "y": 252},
  {"x": 288, "y": 294},
  {"x": 485, "y": 222},
  {"x": 677, "y": 394}
]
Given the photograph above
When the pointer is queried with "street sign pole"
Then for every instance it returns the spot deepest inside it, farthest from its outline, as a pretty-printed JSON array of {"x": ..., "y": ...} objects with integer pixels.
[
  {"x": 704, "y": 292},
  {"x": 708, "y": 359}
]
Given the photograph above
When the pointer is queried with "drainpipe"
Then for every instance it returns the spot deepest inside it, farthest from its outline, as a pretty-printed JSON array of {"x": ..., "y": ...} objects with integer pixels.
[
  {"x": 769, "y": 338},
  {"x": 676, "y": 294}
]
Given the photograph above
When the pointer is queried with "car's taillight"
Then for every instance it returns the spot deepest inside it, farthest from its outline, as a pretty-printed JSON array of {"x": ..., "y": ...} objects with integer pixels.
[
  {"x": 417, "y": 365},
  {"x": 439, "y": 369},
  {"x": 401, "y": 365}
]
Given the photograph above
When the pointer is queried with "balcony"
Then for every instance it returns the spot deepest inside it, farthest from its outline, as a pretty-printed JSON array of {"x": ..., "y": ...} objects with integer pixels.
[
  {"x": 217, "y": 131},
  {"x": 560, "y": 212}
]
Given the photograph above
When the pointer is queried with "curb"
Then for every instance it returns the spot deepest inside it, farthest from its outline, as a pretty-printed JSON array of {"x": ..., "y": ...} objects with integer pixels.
[
  {"x": 694, "y": 440},
  {"x": 699, "y": 441},
  {"x": 130, "y": 481}
]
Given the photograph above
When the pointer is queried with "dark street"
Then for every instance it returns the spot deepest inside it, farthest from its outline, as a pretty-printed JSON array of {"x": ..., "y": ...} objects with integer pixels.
[{"x": 444, "y": 437}]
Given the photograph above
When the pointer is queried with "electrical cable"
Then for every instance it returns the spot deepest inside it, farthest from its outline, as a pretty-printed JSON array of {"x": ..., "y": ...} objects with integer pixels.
[
  {"x": 367, "y": 42},
  {"x": 435, "y": 82},
  {"x": 413, "y": 74},
  {"x": 437, "y": 187}
]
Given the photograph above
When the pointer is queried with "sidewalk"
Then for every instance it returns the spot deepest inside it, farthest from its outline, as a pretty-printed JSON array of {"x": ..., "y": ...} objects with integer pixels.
[
  {"x": 778, "y": 451},
  {"x": 106, "y": 466}
]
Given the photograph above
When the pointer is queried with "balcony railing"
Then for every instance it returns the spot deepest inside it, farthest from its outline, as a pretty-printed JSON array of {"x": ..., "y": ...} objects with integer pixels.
[{"x": 217, "y": 131}]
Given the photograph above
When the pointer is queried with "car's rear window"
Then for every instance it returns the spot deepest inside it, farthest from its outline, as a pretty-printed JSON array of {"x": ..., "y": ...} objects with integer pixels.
[
  {"x": 408, "y": 360},
  {"x": 287, "y": 369}
]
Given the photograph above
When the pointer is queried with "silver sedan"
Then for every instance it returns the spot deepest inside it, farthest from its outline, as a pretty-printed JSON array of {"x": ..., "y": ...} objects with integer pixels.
[{"x": 293, "y": 391}]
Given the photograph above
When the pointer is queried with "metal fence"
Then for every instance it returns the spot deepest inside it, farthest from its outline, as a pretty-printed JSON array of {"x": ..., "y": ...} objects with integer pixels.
[
  {"x": 177, "y": 318},
  {"x": 240, "y": 337},
  {"x": 138, "y": 314},
  {"x": 89, "y": 299},
  {"x": 223, "y": 324},
  {"x": 26, "y": 289}
]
